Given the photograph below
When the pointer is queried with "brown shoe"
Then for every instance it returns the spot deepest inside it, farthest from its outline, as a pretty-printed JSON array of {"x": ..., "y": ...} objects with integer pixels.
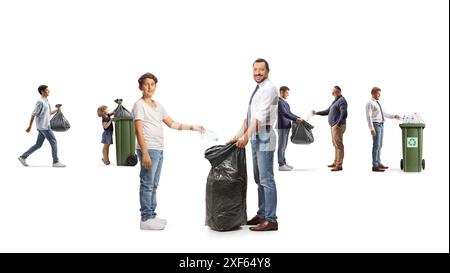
[
  {"x": 332, "y": 165},
  {"x": 377, "y": 169},
  {"x": 336, "y": 169},
  {"x": 266, "y": 226},
  {"x": 383, "y": 167},
  {"x": 255, "y": 221}
]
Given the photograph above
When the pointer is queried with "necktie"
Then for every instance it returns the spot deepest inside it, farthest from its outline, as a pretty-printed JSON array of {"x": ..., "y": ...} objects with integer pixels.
[
  {"x": 381, "y": 110},
  {"x": 249, "y": 104}
]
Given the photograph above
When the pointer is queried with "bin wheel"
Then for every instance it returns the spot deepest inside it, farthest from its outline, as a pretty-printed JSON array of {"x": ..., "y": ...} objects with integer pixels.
[
  {"x": 401, "y": 164},
  {"x": 423, "y": 164},
  {"x": 132, "y": 160}
]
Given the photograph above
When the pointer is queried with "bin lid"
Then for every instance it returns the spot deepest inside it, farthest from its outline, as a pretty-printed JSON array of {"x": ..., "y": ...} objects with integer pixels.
[{"x": 412, "y": 125}]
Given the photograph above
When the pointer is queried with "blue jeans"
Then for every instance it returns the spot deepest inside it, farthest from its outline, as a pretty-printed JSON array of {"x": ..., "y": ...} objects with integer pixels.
[
  {"x": 377, "y": 144},
  {"x": 149, "y": 183},
  {"x": 283, "y": 137},
  {"x": 44, "y": 134},
  {"x": 263, "y": 148}
]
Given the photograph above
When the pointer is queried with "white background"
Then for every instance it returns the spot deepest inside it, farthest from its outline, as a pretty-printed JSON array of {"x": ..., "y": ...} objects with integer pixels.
[{"x": 91, "y": 52}]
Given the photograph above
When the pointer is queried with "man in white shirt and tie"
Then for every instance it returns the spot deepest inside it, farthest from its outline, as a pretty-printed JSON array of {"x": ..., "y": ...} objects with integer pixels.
[
  {"x": 375, "y": 119},
  {"x": 258, "y": 129}
]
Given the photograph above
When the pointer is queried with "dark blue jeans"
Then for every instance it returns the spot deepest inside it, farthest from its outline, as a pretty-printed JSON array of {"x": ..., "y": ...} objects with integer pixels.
[
  {"x": 263, "y": 149},
  {"x": 44, "y": 134},
  {"x": 283, "y": 137}
]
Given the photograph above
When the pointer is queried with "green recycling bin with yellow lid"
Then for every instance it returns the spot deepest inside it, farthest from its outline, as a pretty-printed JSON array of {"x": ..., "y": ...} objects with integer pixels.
[
  {"x": 412, "y": 147},
  {"x": 125, "y": 136}
]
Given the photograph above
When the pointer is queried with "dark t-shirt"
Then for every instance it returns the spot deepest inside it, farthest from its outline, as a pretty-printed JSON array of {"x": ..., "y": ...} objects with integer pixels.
[{"x": 107, "y": 118}]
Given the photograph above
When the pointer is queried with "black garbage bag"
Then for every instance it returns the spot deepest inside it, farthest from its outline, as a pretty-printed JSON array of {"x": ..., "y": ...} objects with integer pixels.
[
  {"x": 301, "y": 133},
  {"x": 226, "y": 188},
  {"x": 121, "y": 112},
  {"x": 59, "y": 123}
]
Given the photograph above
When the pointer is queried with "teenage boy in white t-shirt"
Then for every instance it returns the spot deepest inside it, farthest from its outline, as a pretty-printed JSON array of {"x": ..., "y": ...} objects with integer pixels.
[{"x": 148, "y": 117}]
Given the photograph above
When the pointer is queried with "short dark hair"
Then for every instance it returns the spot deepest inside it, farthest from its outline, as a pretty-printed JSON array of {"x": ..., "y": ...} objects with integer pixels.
[
  {"x": 147, "y": 76},
  {"x": 375, "y": 89},
  {"x": 260, "y": 60},
  {"x": 337, "y": 88},
  {"x": 42, "y": 88},
  {"x": 284, "y": 88}
]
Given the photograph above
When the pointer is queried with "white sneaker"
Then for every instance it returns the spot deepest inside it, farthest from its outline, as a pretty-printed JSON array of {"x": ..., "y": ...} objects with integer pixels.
[
  {"x": 58, "y": 165},
  {"x": 164, "y": 221},
  {"x": 152, "y": 224},
  {"x": 290, "y": 167},
  {"x": 284, "y": 168},
  {"x": 23, "y": 161}
]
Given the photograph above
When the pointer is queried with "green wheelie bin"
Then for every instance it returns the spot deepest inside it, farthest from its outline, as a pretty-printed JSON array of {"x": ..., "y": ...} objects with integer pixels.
[
  {"x": 412, "y": 142},
  {"x": 125, "y": 137}
]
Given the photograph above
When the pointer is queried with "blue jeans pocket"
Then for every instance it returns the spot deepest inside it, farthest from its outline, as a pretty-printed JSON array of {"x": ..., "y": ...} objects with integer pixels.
[{"x": 267, "y": 141}]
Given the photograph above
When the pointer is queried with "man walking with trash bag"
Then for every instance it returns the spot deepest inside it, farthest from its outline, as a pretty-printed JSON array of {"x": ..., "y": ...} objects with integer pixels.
[
  {"x": 285, "y": 116},
  {"x": 42, "y": 112},
  {"x": 258, "y": 128}
]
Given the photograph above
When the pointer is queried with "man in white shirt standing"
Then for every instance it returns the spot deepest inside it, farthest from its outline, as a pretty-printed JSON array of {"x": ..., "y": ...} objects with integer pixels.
[
  {"x": 258, "y": 128},
  {"x": 375, "y": 119}
]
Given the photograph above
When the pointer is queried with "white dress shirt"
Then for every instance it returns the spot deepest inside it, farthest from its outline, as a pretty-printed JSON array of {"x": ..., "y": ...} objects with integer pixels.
[
  {"x": 264, "y": 106},
  {"x": 373, "y": 113}
]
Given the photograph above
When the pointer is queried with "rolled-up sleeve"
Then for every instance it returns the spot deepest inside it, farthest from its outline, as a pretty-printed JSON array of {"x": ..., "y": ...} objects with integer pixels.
[
  {"x": 266, "y": 107},
  {"x": 38, "y": 109}
]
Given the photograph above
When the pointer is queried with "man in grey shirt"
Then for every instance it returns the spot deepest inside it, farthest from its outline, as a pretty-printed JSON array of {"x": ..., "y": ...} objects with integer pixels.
[{"x": 42, "y": 112}]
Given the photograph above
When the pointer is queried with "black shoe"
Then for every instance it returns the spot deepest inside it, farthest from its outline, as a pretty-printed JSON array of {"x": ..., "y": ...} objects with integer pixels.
[
  {"x": 377, "y": 169},
  {"x": 255, "y": 221}
]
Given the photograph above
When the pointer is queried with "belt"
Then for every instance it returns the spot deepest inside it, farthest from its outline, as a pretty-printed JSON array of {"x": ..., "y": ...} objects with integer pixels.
[{"x": 267, "y": 127}]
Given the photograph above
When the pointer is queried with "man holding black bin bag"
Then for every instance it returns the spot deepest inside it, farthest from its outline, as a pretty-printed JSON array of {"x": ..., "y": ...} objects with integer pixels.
[
  {"x": 285, "y": 116},
  {"x": 258, "y": 129}
]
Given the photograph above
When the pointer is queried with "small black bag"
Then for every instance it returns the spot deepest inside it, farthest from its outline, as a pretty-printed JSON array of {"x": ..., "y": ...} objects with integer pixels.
[
  {"x": 59, "y": 123},
  {"x": 301, "y": 133},
  {"x": 226, "y": 188},
  {"x": 121, "y": 112}
]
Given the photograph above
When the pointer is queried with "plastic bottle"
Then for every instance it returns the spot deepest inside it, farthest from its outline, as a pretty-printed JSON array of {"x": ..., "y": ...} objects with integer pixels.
[
  {"x": 419, "y": 118},
  {"x": 407, "y": 119},
  {"x": 403, "y": 119},
  {"x": 209, "y": 135}
]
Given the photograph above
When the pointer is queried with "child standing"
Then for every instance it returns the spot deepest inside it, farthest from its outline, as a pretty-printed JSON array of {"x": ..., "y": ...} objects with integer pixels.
[
  {"x": 108, "y": 129},
  {"x": 148, "y": 117}
]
